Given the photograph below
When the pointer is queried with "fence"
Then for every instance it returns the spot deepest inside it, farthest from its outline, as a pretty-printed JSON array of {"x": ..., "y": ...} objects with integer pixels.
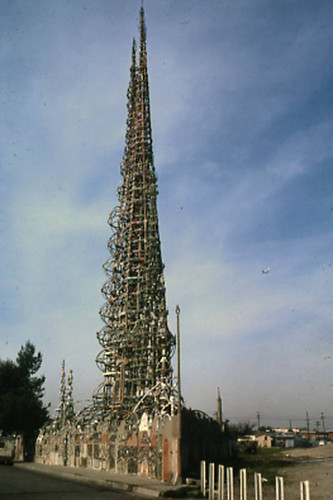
[{"x": 225, "y": 484}]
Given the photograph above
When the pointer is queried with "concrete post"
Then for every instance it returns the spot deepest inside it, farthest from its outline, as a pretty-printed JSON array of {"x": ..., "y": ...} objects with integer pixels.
[
  {"x": 305, "y": 490},
  {"x": 242, "y": 478},
  {"x": 257, "y": 486},
  {"x": 230, "y": 483},
  {"x": 211, "y": 481},
  {"x": 279, "y": 488},
  {"x": 203, "y": 477},
  {"x": 220, "y": 487}
]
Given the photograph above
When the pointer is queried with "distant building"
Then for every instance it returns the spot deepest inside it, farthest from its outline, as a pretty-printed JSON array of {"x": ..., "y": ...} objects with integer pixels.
[
  {"x": 309, "y": 435},
  {"x": 264, "y": 440},
  {"x": 314, "y": 435},
  {"x": 253, "y": 441}
]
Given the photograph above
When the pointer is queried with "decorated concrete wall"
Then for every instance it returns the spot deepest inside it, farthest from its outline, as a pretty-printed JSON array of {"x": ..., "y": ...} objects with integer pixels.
[
  {"x": 156, "y": 448},
  {"x": 151, "y": 450}
]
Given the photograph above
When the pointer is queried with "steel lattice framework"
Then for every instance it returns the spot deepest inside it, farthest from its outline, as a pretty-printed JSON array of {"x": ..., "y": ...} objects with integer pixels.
[{"x": 137, "y": 344}]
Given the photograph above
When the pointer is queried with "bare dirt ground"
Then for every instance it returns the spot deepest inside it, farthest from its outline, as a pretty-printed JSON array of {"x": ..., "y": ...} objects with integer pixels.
[
  {"x": 296, "y": 465},
  {"x": 312, "y": 464}
]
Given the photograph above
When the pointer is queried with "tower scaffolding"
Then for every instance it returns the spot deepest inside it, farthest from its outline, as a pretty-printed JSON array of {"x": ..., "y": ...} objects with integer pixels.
[
  {"x": 136, "y": 422},
  {"x": 137, "y": 345}
]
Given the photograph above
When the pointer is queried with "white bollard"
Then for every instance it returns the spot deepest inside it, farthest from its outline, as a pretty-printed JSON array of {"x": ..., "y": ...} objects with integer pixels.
[
  {"x": 305, "y": 490},
  {"x": 220, "y": 484},
  {"x": 211, "y": 481},
  {"x": 279, "y": 488},
  {"x": 230, "y": 483},
  {"x": 203, "y": 477},
  {"x": 242, "y": 484},
  {"x": 257, "y": 486}
]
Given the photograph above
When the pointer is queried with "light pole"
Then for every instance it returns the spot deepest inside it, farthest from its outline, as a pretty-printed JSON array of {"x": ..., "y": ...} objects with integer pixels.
[
  {"x": 179, "y": 467},
  {"x": 178, "y": 359}
]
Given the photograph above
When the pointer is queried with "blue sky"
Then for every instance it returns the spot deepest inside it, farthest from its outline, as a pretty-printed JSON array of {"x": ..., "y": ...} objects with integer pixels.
[{"x": 242, "y": 107}]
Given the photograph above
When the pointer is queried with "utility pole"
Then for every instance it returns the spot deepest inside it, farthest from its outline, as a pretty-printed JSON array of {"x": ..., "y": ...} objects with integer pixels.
[
  {"x": 317, "y": 425},
  {"x": 323, "y": 422},
  {"x": 258, "y": 419},
  {"x": 308, "y": 424}
]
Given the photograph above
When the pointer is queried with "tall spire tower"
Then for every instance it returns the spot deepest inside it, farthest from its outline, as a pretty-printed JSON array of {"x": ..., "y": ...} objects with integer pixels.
[{"x": 137, "y": 344}]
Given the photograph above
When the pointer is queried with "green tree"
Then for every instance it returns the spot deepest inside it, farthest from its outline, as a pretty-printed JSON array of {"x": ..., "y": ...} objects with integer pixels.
[
  {"x": 21, "y": 407},
  {"x": 240, "y": 430}
]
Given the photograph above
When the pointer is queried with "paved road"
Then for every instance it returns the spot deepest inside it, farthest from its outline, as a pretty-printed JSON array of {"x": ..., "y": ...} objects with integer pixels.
[{"x": 16, "y": 484}]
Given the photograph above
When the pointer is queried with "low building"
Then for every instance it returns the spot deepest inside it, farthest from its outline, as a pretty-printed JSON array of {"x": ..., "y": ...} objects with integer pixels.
[{"x": 264, "y": 440}]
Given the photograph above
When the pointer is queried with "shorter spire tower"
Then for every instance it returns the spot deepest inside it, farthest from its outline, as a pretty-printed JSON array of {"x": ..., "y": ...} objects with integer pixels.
[{"x": 65, "y": 410}]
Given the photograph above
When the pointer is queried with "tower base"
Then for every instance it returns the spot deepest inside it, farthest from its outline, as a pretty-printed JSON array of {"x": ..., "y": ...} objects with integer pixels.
[{"x": 158, "y": 448}]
